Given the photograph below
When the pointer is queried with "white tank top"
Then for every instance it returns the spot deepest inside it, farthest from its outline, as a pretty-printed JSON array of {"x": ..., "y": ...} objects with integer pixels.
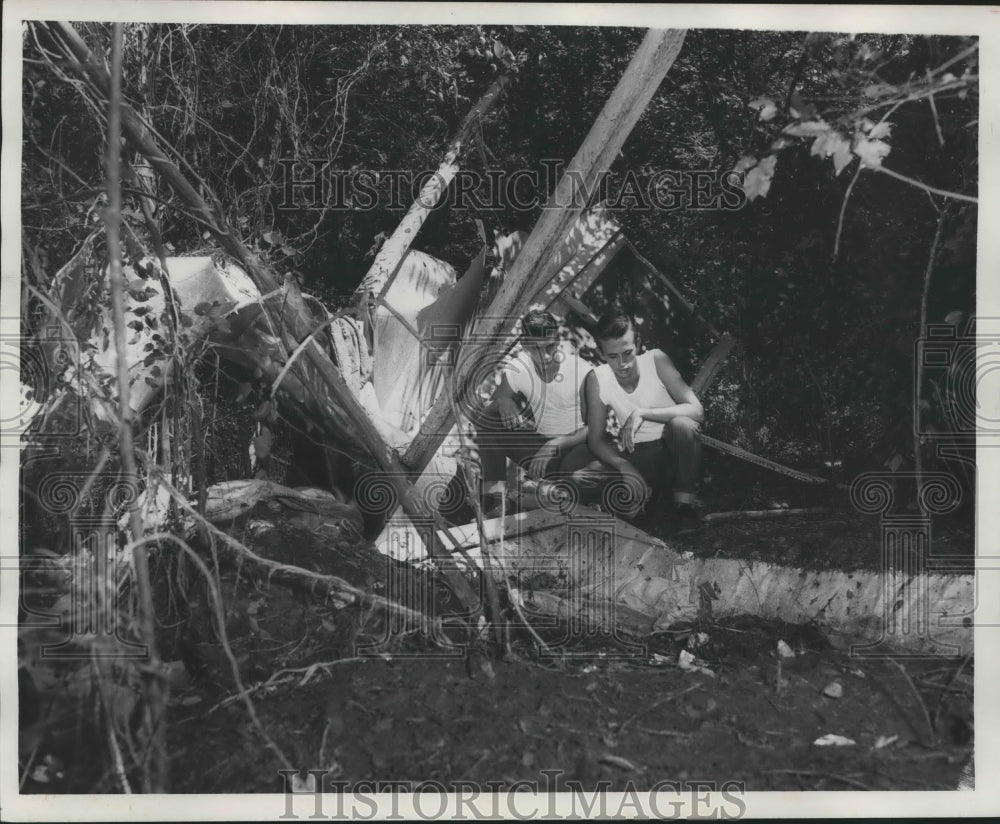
[
  {"x": 555, "y": 405},
  {"x": 649, "y": 393}
]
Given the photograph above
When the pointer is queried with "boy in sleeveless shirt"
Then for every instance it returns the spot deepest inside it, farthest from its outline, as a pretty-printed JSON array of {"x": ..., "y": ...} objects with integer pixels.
[
  {"x": 547, "y": 377},
  {"x": 659, "y": 416}
]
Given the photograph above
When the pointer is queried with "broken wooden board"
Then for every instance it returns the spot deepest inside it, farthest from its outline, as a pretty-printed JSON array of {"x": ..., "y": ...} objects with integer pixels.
[{"x": 595, "y": 568}]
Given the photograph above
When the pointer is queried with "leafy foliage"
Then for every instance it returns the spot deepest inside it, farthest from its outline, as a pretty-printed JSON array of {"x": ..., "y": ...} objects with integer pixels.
[{"x": 826, "y": 358}]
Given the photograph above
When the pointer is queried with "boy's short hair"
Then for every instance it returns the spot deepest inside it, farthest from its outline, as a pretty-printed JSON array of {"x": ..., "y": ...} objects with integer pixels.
[
  {"x": 612, "y": 326},
  {"x": 539, "y": 324}
]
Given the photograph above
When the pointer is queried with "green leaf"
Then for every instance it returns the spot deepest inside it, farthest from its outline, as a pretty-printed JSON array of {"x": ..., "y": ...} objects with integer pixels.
[{"x": 871, "y": 152}]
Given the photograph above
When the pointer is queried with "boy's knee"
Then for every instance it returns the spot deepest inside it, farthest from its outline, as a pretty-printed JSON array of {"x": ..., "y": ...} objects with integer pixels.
[{"x": 683, "y": 426}]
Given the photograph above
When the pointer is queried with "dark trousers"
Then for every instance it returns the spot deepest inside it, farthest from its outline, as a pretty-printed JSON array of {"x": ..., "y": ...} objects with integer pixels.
[
  {"x": 496, "y": 445},
  {"x": 670, "y": 463}
]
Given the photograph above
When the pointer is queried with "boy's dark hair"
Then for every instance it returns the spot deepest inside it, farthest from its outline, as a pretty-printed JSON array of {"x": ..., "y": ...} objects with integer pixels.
[
  {"x": 612, "y": 326},
  {"x": 539, "y": 324}
]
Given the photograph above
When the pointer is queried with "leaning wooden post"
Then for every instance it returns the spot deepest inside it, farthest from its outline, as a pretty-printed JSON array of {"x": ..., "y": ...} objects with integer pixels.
[
  {"x": 539, "y": 260},
  {"x": 390, "y": 256}
]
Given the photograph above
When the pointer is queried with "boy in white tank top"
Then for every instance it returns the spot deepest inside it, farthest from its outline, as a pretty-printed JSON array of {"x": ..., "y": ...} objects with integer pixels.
[
  {"x": 659, "y": 416},
  {"x": 547, "y": 377}
]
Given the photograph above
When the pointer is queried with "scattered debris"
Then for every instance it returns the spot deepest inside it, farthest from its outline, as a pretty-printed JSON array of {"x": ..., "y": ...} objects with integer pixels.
[
  {"x": 831, "y": 740},
  {"x": 689, "y": 663},
  {"x": 618, "y": 761},
  {"x": 698, "y": 639}
]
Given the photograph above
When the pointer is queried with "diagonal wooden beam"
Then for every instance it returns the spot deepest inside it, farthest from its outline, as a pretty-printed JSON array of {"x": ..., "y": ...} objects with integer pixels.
[
  {"x": 390, "y": 257},
  {"x": 543, "y": 257},
  {"x": 710, "y": 368}
]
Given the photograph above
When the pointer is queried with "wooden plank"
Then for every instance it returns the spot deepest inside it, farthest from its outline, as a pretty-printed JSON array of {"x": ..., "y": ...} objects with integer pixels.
[
  {"x": 539, "y": 261},
  {"x": 757, "y": 460},
  {"x": 571, "y": 296},
  {"x": 673, "y": 289},
  {"x": 710, "y": 368},
  {"x": 390, "y": 256}
]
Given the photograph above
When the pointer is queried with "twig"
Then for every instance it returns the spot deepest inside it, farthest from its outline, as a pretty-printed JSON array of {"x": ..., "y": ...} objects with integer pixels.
[
  {"x": 927, "y": 188},
  {"x": 668, "y": 733},
  {"x": 952, "y": 61},
  {"x": 762, "y": 514},
  {"x": 843, "y": 210},
  {"x": 934, "y": 111},
  {"x": 919, "y": 378},
  {"x": 920, "y": 700},
  {"x": 812, "y": 774},
  {"x": 116, "y": 753},
  {"x": 113, "y": 218}
]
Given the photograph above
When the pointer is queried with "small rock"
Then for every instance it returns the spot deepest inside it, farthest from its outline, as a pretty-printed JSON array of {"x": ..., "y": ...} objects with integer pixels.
[{"x": 833, "y": 690}]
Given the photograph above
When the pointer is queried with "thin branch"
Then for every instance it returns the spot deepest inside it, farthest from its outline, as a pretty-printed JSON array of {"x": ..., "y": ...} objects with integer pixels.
[
  {"x": 919, "y": 379},
  {"x": 937, "y": 124},
  {"x": 960, "y": 56},
  {"x": 157, "y": 782},
  {"x": 932, "y": 189},
  {"x": 843, "y": 211}
]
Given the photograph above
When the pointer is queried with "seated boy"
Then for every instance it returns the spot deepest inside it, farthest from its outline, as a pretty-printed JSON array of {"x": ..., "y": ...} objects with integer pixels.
[
  {"x": 549, "y": 436},
  {"x": 659, "y": 416}
]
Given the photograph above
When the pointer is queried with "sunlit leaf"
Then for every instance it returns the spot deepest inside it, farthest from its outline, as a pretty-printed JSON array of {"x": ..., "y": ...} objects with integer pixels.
[
  {"x": 871, "y": 152},
  {"x": 765, "y": 106},
  {"x": 841, "y": 156},
  {"x": 880, "y": 130},
  {"x": 758, "y": 180},
  {"x": 807, "y": 129}
]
